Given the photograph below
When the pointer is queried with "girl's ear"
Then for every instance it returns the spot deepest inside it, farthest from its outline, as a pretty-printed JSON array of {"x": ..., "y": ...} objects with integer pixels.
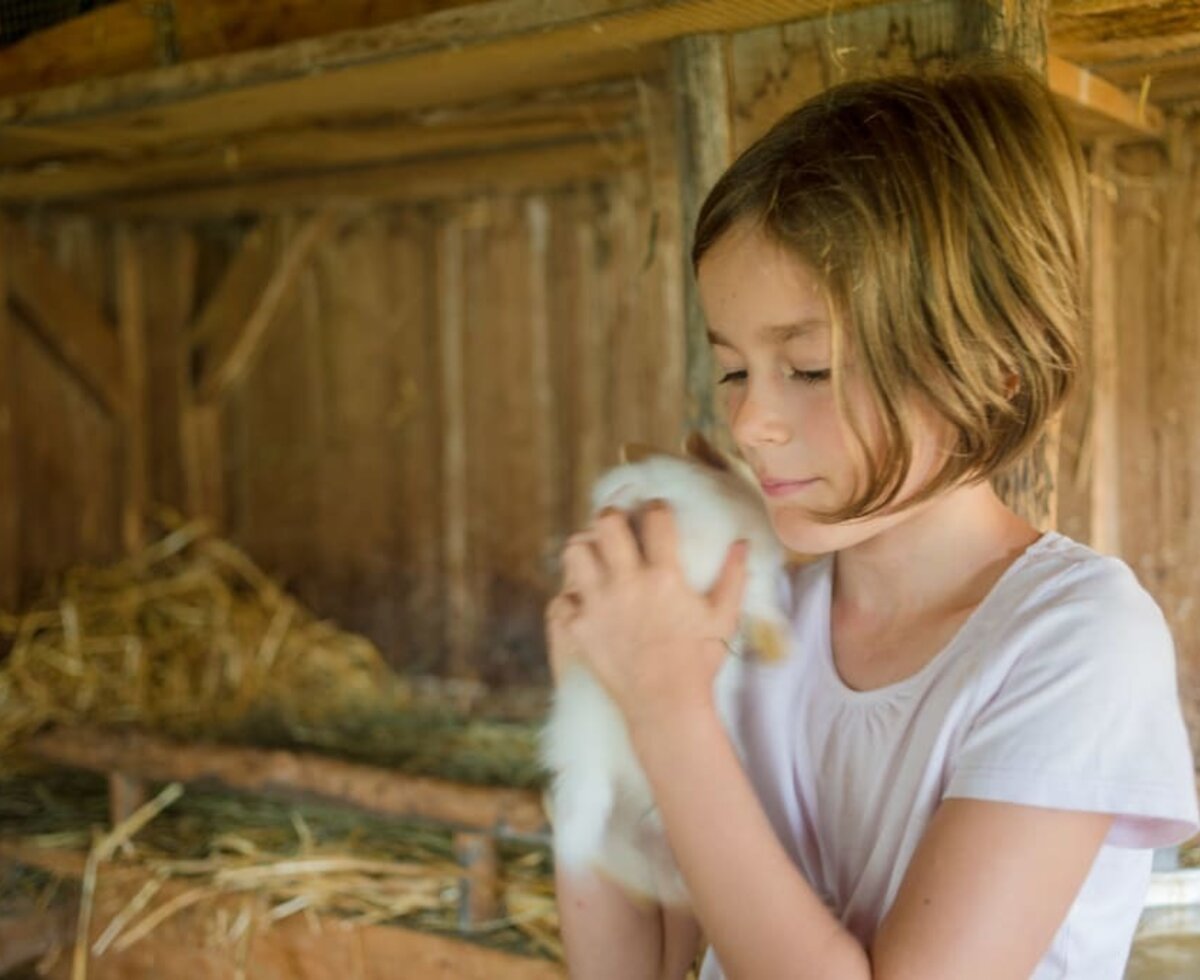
[{"x": 696, "y": 447}]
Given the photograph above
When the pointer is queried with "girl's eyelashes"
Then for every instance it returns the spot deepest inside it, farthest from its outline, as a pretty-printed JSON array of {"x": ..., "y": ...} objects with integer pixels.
[
  {"x": 795, "y": 374},
  {"x": 811, "y": 377}
]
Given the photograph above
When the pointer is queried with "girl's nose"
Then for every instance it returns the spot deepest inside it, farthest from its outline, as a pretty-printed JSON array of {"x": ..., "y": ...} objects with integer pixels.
[{"x": 755, "y": 422}]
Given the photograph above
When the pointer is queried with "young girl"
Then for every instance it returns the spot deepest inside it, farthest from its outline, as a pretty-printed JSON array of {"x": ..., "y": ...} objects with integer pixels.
[{"x": 976, "y": 740}]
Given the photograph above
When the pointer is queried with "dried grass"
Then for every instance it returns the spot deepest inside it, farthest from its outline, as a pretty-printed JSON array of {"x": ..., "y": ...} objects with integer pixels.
[
  {"x": 277, "y": 860},
  {"x": 190, "y": 638}
]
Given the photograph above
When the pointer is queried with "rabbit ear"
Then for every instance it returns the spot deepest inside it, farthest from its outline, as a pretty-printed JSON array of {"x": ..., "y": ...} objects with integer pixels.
[
  {"x": 696, "y": 447},
  {"x": 768, "y": 640},
  {"x": 635, "y": 452}
]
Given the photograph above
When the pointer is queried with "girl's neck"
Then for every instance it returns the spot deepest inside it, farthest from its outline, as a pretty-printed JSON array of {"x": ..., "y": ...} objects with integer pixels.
[{"x": 945, "y": 554}]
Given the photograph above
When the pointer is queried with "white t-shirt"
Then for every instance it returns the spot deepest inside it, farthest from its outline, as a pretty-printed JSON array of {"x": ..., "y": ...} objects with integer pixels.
[{"x": 1058, "y": 691}]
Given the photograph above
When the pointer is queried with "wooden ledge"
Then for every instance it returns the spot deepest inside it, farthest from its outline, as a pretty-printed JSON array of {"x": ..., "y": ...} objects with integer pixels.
[{"x": 297, "y": 774}]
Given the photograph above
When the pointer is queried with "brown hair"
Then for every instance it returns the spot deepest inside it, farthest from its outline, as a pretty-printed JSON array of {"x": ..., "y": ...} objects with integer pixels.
[{"x": 944, "y": 219}]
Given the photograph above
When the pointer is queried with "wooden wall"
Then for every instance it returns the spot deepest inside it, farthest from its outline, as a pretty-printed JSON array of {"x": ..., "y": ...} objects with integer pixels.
[
  {"x": 418, "y": 434},
  {"x": 442, "y": 380},
  {"x": 1131, "y": 465}
]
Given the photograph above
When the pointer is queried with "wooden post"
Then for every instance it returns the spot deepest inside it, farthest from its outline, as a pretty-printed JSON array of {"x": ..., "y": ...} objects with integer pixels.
[
  {"x": 702, "y": 113},
  {"x": 480, "y": 901},
  {"x": 1104, "y": 437},
  {"x": 10, "y": 555},
  {"x": 1017, "y": 28},
  {"x": 461, "y": 613},
  {"x": 126, "y": 794},
  {"x": 131, "y": 330}
]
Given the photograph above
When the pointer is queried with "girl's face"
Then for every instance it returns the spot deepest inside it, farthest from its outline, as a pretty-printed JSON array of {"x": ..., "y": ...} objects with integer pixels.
[{"x": 769, "y": 325}]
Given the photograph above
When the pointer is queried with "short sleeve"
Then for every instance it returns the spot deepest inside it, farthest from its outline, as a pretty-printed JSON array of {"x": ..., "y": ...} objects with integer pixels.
[{"x": 1087, "y": 715}]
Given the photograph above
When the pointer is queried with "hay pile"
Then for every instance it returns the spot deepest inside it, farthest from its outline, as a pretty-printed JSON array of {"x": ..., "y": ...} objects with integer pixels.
[{"x": 190, "y": 638}]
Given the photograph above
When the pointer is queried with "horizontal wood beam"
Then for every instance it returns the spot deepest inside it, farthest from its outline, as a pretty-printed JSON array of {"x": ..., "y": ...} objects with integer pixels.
[
  {"x": 275, "y": 771},
  {"x": 185, "y": 939},
  {"x": 69, "y": 321},
  {"x": 478, "y": 53},
  {"x": 506, "y": 171},
  {"x": 1086, "y": 91},
  {"x": 129, "y": 35},
  {"x": 611, "y": 111}
]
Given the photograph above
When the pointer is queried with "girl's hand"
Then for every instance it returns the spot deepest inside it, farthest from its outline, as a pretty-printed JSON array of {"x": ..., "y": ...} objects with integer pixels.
[{"x": 627, "y": 614}]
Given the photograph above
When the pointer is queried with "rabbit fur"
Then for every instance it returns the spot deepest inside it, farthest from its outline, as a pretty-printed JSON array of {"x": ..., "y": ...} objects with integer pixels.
[{"x": 603, "y": 809}]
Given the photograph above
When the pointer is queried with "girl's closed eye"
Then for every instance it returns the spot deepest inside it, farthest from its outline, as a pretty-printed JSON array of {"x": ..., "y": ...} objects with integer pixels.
[{"x": 738, "y": 376}]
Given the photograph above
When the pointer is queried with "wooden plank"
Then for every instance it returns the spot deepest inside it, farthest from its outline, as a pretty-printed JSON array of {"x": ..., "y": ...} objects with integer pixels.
[
  {"x": 604, "y": 114},
  {"x": 1017, "y": 28},
  {"x": 585, "y": 41},
  {"x": 233, "y": 300},
  {"x": 462, "y": 613},
  {"x": 1093, "y": 95},
  {"x": 184, "y": 946},
  {"x": 1105, "y": 436},
  {"x": 204, "y": 462},
  {"x": 131, "y": 327},
  {"x": 126, "y": 36},
  {"x": 70, "y": 323},
  {"x": 501, "y": 172},
  {"x": 168, "y": 255},
  {"x": 232, "y": 352},
  {"x": 517, "y": 35},
  {"x": 705, "y": 150},
  {"x": 28, "y": 937},
  {"x": 10, "y": 490},
  {"x": 273, "y": 771}
]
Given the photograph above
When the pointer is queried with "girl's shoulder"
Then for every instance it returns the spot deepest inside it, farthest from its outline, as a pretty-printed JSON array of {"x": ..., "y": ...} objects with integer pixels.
[{"x": 1061, "y": 578}]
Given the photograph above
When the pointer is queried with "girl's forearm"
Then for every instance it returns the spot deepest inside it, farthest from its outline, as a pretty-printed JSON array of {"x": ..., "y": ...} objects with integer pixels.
[
  {"x": 759, "y": 913},
  {"x": 605, "y": 934}
]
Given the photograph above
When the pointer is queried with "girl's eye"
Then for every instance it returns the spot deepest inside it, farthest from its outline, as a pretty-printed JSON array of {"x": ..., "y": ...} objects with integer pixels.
[
  {"x": 810, "y": 377},
  {"x": 732, "y": 377}
]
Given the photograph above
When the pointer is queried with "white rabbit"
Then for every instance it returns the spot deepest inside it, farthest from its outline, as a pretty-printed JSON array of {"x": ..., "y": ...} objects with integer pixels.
[{"x": 602, "y": 807}]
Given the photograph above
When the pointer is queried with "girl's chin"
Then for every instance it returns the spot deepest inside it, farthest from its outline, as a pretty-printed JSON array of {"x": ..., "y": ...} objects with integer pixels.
[{"x": 801, "y": 534}]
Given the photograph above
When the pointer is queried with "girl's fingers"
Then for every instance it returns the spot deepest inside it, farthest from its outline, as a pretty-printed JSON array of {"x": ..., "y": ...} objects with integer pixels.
[
  {"x": 618, "y": 545},
  {"x": 581, "y": 563},
  {"x": 725, "y": 597},
  {"x": 660, "y": 538},
  {"x": 560, "y": 610}
]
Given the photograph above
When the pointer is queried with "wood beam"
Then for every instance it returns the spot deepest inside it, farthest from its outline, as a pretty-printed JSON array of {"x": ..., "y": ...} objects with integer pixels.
[
  {"x": 370, "y": 788},
  {"x": 480, "y": 52},
  {"x": 610, "y": 113},
  {"x": 10, "y": 491},
  {"x": 1017, "y": 28},
  {"x": 235, "y": 345},
  {"x": 1105, "y": 430},
  {"x": 183, "y": 946},
  {"x": 131, "y": 327},
  {"x": 502, "y": 171},
  {"x": 124, "y": 36},
  {"x": 1087, "y": 92},
  {"x": 68, "y": 320},
  {"x": 705, "y": 149}
]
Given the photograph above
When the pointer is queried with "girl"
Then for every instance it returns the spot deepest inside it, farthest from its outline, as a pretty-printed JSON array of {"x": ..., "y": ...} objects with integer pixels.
[{"x": 962, "y": 767}]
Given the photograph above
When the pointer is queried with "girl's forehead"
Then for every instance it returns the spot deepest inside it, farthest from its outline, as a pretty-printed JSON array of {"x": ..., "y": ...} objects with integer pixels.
[
  {"x": 746, "y": 263},
  {"x": 755, "y": 291}
]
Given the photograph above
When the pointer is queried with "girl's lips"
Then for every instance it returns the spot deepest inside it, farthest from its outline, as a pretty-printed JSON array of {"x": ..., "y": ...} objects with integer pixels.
[{"x": 781, "y": 488}]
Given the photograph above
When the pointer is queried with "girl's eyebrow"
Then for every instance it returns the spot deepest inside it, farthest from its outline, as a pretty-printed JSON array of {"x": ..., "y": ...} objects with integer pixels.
[{"x": 777, "y": 334}]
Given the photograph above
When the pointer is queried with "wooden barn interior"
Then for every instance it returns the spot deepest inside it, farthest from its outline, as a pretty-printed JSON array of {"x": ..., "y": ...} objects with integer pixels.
[{"x": 321, "y": 318}]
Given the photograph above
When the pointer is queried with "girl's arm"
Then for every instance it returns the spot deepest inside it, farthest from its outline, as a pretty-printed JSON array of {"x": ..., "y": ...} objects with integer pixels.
[
  {"x": 607, "y": 935},
  {"x": 987, "y": 888}
]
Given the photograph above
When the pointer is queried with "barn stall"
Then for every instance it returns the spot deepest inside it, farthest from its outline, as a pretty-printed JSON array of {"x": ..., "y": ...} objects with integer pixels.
[{"x": 320, "y": 322}]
